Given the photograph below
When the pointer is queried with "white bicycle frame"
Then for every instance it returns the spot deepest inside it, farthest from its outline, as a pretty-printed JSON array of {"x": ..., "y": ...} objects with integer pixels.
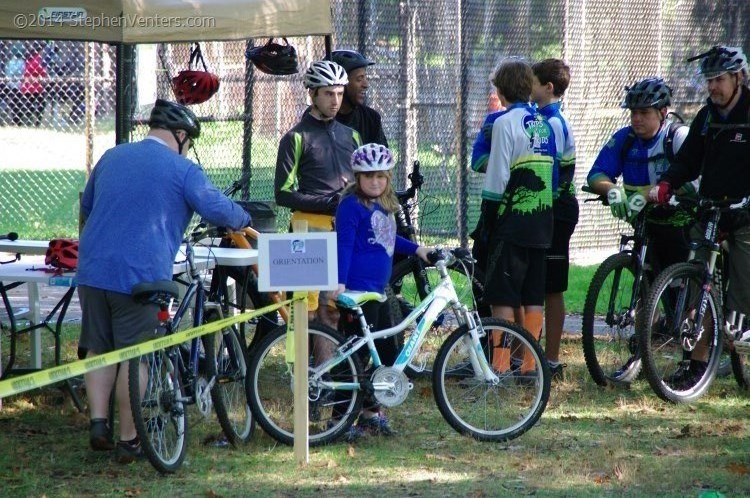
[{"x": 442, "y": 296}]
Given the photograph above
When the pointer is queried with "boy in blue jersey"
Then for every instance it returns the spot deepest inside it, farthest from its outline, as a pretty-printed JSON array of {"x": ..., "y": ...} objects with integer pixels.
[
  {"x": 551, "y": 79},
  {"x": 517, "y": 209}
]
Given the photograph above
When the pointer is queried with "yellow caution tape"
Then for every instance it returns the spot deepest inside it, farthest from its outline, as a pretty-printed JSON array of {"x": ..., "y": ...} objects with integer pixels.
[{"x": 56, "y": 374}]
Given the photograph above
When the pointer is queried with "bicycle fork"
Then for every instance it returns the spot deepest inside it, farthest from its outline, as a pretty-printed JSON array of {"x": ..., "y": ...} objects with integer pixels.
[{"x": 471, "y": 340}]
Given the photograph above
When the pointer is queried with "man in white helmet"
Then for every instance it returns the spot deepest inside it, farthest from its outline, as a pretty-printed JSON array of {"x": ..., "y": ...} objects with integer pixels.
[{"x": 312, "y": 166}]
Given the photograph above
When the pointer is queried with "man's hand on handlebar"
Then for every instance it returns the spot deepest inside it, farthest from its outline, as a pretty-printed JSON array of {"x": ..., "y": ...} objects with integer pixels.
[{"x": 660, "y": 193}]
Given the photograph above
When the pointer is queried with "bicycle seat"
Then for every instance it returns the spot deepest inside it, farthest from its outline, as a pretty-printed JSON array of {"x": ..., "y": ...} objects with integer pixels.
[
  {"x": 148, "y": 292},
  {"x": 355, "y": 299}
]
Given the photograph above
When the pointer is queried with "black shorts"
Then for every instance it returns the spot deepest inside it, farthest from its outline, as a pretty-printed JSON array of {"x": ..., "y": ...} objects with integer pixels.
[
  {"x": 515, "y": 276},
  {"x": 558, "y": 258},
  {"x": 110, "y": 320}
]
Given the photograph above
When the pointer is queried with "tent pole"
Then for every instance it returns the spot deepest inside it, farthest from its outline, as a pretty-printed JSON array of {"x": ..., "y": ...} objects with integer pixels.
[
  {"x": 124, "y": 88},
  {"x": 247, "y": 121}
]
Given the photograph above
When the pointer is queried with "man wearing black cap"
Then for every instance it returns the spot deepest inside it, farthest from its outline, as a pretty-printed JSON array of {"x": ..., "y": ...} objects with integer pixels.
[{"x": 354, "y": 113}]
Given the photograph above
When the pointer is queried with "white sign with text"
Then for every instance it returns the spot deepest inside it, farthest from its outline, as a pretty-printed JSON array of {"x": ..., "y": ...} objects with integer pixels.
[{"x": 297, "y": 261}]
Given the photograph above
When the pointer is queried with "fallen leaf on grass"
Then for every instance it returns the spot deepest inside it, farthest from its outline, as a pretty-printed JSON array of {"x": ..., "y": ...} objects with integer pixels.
[
  {"x": 425, "y": 392},
  {"x": 444, "y": 458},
  {"x": 600, "y": 477},
  {"x": 350, "y": 451},
  {"x": 619, "y": 473},
  {"x": 739, "y": 469}
]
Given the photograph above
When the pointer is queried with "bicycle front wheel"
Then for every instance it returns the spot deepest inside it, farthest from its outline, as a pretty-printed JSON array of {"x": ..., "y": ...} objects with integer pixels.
[
  {"x": 159, "y": 412},
  {"x": 610, "y": 345},
  {"x": 229, "y": 369},
  {"x": 676, "y": 373},
  {"x": 486, "y": 410},
  {"x": 413, "y": 286},
  {"x": 270, "y": 387}
]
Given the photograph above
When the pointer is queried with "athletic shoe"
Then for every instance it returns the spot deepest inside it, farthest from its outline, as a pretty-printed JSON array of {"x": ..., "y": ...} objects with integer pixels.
[
  {"x": 556, "y": 371},
  {"x": 100, "y": 435},
  {"x": 687, "y": 375},
  {"x": 129, "y": 451},
  {"x": 376, "y": 426}
]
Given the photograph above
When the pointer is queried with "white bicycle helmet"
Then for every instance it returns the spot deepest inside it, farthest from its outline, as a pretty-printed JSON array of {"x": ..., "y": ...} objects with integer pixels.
[
  {"x": 372, "y": 157},
  {"x": 325, "y": 73},
  {"x": 720, "y": 60}
]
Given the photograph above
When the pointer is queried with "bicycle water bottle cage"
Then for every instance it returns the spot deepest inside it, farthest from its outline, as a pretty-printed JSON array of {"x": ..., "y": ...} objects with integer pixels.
[{"x": 354, "y": 299}]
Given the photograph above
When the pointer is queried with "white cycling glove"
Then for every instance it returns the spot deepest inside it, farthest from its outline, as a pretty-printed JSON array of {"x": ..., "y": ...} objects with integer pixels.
[
  {"x": 618, "y": 203},
  {"x": 636, "y": 203}
]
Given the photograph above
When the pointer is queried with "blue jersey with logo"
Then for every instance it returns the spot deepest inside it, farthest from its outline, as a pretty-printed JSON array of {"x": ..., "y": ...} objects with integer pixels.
[{"x": 565, "y": 204}]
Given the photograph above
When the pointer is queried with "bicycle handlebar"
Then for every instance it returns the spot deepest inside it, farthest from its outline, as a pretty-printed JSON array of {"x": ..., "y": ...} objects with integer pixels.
[
  {"x": 450, "y": 256},
  {"x": 416, "y": 179},
  {"x": 712, "y": 204}
]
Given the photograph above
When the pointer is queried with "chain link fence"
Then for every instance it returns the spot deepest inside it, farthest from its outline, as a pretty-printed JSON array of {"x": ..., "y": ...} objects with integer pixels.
[{"x": 430, "y": 83}]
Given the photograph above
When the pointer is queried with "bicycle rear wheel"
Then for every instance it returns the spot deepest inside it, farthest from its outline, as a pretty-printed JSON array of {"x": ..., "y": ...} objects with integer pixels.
[
  {"x": 610, "y": 345},
  {"x": 414, "y": 287},
  {"x": 229, "y": 369},
  {"x": 270, "y": 388},
  {"x": 485, "y": 410},
  {"x": 672, "y": 371},
  {"x": 159, "y": 411}
]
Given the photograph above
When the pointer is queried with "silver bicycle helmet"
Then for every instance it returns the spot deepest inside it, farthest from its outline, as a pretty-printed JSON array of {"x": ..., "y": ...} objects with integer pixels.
[
  {"x": 720, "y": 60},
  {"x": 650, "y": 92},
  {"x": 372, "y": 157},
  {"x": 325, "y": 73}
]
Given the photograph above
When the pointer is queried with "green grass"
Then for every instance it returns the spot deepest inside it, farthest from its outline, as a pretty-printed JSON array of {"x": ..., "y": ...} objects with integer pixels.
[
  {"x": 578, "y": 284},
  {"x": 589, "y": 442}
]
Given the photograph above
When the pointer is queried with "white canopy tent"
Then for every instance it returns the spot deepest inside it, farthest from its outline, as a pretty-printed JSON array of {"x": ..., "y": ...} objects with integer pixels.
[
  {"x": 162, "y": 21},
  {"x": 127, "y": 23}
]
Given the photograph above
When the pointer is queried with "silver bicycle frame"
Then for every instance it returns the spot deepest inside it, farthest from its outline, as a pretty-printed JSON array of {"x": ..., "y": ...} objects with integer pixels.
[{"x": 442, "y": 296}]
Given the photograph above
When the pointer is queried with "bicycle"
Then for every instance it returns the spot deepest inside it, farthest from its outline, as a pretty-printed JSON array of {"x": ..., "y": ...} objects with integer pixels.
[
  {"x": 683, "y": 316},
  {"x": 246, "y": 278},
  {"x": 476, "y": 399},
  {"x": 412, "y": 279},
  {"x": 209, "y": 372},
  {"x": 617, "y": 291}
]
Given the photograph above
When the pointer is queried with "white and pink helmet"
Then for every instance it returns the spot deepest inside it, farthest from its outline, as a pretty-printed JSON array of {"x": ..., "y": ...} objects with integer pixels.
[{"x": 372, "y": 157}]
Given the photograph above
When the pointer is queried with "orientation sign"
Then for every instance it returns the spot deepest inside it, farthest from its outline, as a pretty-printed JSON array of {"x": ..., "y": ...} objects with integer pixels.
[{"x": 297, "y": 261}]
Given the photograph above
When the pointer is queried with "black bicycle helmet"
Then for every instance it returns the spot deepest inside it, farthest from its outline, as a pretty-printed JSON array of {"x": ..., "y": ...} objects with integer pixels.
[
  {"x": 651, "y": 92},
  {"x": 350, "y": 60},
  {"x": 173, "y": 116},
  {"x": 273, "y": 58},
  {"x": 721, "y": 59}
]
